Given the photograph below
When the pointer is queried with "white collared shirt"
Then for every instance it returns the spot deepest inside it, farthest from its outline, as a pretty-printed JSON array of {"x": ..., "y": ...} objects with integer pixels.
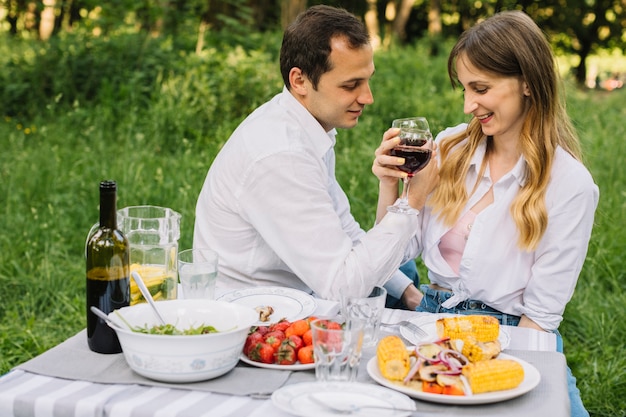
[
  {"x": 493, "y": 268},
  {"x": 273, "y": 210}
]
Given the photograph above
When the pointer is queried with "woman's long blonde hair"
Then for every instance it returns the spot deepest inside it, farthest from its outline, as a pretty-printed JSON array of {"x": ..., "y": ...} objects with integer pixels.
[{"x": 509, "y": 44}]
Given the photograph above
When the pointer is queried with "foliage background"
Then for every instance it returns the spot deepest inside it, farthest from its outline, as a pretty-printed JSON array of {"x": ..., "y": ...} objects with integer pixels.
[{"x": 151, "y": 114}]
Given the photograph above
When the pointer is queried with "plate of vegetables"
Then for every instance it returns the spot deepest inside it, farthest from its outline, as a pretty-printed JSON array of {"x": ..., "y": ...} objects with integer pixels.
[{"x": 438, "y": 372}]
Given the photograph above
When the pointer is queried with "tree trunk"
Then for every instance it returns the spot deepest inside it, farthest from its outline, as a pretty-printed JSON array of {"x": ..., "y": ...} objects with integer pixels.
[
  {"x": 31, "y": 17},
  {"x": 434, "y": 26},
  {"x": 402, "y": 17},
  {"x": 434, "y": 18},
  {"x": 46, "y": 24},
  {"x": 66, "y": 23},
  {"x": 581, "y": 69},
  {"x": 289, "y": 9},
  {"x": 158, "y": 23},
  {"x": 201, "y": 31},
  {"x": 371, "y": 21}
]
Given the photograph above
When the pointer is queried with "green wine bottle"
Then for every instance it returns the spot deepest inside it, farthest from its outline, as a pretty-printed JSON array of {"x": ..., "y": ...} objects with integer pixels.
[{"x": 108, "y": 272}]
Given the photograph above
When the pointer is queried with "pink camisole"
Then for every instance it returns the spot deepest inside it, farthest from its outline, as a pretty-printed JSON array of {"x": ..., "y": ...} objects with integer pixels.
[{"x": 452, "y": 244}]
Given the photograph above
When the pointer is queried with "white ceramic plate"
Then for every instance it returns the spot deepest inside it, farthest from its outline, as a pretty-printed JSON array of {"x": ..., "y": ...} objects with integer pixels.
[
  {"x": 294, "y": 367},
  {"x": 531, "y": 380},
  {"x": 288, "y": 303},
  {"x": 296, "y": 399},
  {"x": 428, "y": 324}
]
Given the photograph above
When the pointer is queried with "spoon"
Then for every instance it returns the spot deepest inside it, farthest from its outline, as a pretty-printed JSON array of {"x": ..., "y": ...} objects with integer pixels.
[
  {"x": 95, "y": 310},
  {"x": 146, "y": 294}
]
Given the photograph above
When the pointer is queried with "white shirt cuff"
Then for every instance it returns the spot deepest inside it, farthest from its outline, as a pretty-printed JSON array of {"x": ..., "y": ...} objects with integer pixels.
[{"x": 397, "y": 284}]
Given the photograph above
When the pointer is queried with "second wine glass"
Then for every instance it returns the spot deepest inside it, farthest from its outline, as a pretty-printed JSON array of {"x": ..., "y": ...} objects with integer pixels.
[{"x": 416, "y": 145}]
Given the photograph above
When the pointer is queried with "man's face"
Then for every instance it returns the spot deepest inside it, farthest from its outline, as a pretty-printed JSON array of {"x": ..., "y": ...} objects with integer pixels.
[{"x": 342, "y": 92}]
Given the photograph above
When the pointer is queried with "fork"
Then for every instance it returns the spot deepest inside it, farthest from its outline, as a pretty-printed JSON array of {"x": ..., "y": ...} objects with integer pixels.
[
  {"x": 352, "y": 408},
  {"x": 408, "y": 325}
]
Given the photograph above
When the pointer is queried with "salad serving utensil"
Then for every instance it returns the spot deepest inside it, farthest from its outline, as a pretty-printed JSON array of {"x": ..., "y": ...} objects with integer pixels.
[
  {"x": 95, "y": 310},
  {"x": 146, "y": 294}
]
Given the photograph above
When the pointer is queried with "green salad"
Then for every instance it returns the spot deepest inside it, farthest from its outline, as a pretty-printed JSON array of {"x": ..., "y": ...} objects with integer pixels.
[{"x": 169, "y": 329}]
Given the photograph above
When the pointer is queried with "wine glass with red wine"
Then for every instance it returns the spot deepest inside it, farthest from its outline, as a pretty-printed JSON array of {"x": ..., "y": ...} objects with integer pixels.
[{"x": 416, "y": 145}]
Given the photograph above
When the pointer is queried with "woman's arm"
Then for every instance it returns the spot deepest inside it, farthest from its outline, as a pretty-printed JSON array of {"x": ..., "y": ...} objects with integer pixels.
[{"x": 384, "y": 167}]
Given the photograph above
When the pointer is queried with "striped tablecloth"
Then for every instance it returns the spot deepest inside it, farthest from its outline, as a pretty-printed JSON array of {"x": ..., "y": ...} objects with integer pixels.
[{"x": 27, "y": 394}]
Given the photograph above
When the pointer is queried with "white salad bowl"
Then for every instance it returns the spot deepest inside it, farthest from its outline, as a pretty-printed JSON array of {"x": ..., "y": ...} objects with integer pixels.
[{"x": 184, "y": 358}]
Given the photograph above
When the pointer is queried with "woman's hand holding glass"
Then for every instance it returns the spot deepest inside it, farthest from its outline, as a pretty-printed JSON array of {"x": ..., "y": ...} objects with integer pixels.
[{"x": 389, "y": 168}]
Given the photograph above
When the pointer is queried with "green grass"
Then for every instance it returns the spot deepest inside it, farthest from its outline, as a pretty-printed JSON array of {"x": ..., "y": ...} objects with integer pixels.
[{"x": 156, "y": 127}]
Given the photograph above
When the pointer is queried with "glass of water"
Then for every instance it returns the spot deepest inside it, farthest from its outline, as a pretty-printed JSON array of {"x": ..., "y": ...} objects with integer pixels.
[
  {"x": 197, "y": 271},
  {"x": 368, "y": 310}
]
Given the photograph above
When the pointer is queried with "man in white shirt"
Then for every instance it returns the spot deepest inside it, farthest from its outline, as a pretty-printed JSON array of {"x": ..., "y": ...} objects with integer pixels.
[{"x": 271, "y": 205}]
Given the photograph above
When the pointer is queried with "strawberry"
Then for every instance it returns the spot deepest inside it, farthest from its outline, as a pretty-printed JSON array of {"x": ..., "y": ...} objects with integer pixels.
[
  {"x": 274, "y": 338},
  {"x": 262, "y": 329},
  {"x": 262, "y": 352},
  {"x": 333, "y": 325},
  {"x": 286, "y": 354},
  {"x": 296, "y": 342},
  {"x": 280, "y": 325},
  {"x": 251, "y": 341}
]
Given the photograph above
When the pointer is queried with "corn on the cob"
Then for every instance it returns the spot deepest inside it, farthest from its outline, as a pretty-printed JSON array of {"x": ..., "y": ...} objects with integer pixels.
[
  {"x": 393, "y": 358},
  {"x": 482, "y": 328},
  {"x": 476, "y": 351},
  {"x": 493, "y": 375}
]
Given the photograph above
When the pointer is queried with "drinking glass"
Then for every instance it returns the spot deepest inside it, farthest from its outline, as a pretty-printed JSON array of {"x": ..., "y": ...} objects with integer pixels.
[
  {"x": 337, "y": 346},
  {"x": 416, "y": 145},
  {"x": 197, "y": 271},
  {"x": 368, "y": 310}
]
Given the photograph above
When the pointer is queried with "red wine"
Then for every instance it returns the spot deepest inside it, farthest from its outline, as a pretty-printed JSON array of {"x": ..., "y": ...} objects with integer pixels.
[
  {"x": 107, "y": 271},
  {"x": 415, "y": 158}
]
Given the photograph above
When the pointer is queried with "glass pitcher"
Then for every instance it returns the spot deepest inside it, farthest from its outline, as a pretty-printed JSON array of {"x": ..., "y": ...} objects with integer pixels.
[{"x": 153, "y": 234}]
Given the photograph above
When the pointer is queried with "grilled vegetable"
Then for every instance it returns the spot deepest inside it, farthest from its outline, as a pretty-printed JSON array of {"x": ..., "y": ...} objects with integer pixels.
[
  {"x": 481, "y": 328},
  {"x": 393, "y": 358},
  {"x": 493, "y": 375},
  {"x": 476, "y": 351}
]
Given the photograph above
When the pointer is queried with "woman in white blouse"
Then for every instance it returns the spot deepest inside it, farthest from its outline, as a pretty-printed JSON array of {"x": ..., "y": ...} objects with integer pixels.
[{"x": 505, "y": 233}]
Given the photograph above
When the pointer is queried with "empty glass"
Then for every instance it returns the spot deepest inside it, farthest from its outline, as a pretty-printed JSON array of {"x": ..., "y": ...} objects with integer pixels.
[{"x": 367, "y": 310}]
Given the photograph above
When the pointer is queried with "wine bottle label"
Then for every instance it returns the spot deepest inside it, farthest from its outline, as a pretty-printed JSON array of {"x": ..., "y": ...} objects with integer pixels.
[{"x": 108, "y": 274}]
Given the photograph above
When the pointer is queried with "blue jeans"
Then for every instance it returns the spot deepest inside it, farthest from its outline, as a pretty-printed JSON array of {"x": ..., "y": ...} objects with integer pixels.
[{"x": 431, "y": 303}]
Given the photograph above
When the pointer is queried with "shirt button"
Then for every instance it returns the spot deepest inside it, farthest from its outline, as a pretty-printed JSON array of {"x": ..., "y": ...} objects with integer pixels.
[{"x": 473, "y": 305}]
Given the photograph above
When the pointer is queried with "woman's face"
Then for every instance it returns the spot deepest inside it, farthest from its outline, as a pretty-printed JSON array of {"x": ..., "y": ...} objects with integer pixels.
[{"x": 499, "y": 103}]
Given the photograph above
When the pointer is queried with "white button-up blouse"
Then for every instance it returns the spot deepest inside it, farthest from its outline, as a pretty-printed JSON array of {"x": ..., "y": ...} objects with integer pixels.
[{"x": 493, "y": 268}]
